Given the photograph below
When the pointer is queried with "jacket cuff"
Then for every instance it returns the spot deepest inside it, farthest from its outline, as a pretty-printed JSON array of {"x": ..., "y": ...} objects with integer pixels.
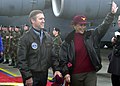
[
  {"x": 26, "y": 74},
  {"x": 28, "y": 77},
  {"x": 111, "y": 14},
  {"x": 65, "y": 73}
]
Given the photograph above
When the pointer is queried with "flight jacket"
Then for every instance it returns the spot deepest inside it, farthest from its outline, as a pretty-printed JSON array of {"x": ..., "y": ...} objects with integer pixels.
[
  {"x": 32, "y": 55},
  {"x": 92, "y": 40}
]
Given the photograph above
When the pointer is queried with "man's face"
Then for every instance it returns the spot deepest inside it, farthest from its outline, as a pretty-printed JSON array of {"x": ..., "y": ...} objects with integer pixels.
[
  {"x": 26, "y": 28},
  {"x": 39, "y": 22},
  {"x": 16, "y": 29},
  {"x": 10, "y": 28},
  {"x": 80, "y": 28}
]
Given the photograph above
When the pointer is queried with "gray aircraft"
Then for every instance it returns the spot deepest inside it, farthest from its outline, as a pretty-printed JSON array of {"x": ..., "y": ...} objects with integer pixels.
[{"x": 58, "y": 13}]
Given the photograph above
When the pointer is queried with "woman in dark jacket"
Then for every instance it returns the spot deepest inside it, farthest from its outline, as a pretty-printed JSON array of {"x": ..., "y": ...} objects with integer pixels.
[{"x": 114, "y": 66}]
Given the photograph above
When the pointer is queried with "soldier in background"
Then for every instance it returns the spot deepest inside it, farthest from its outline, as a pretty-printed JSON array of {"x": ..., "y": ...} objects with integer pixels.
[
  {"x": 6, "y": 44},
  {"x": 57, "y": 41},
  {"x": 10, "y": 35},
  {"x": 24, "y": 28},
  {"x": 11, "y": 45},
  {"x": 16, "y": 36}
]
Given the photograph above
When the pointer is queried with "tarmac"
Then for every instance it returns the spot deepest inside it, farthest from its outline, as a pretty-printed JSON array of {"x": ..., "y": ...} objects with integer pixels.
[
  {"x": 103, "y": 76},
  {"x": 105, "y": 62}
]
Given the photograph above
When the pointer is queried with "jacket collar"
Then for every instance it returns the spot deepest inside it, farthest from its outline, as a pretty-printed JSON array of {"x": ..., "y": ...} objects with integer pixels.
[
  {"x": 70, "y": 37},
  {"x": 35, "y": 36}
]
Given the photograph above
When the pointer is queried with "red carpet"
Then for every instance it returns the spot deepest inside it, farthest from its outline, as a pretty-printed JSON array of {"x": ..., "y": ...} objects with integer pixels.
[
  {"x": 49, "y": 83},
  {"x": 4, "y": 77},
  {"x": 7, "y": 78}
]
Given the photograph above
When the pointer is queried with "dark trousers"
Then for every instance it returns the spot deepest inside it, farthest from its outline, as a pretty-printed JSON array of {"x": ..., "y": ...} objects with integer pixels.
[
  {"x": 39, "y": 78},
  {"x": 84, "y": 79},
  {"x": 1, "y": 59},
  {"x": 115, "y": 80}
]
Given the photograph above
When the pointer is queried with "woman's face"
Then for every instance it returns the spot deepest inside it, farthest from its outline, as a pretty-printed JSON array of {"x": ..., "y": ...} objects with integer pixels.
[{"x": 55, "y": 33}]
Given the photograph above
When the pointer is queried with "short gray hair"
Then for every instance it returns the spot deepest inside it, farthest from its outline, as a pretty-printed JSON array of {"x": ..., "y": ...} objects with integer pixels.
[{"x": 34, "y": 13}]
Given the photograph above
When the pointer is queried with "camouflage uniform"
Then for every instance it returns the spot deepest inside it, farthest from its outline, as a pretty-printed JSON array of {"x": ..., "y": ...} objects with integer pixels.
[
  {"x": 7, "y": 45},
  {"x": 16, "y": 36},
  {"x": 57, "y": 43},
  {"x": 11, "y": 47}
]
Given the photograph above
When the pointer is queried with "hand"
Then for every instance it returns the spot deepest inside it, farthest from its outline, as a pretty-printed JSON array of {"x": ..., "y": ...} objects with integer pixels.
[
  {"x": 67, "y": 78},
  {"x": 57, "y": 73},
  {"x": 114, "y": 7},
  {"x": 29, "y": 82},
  {"x": 1, "y": 53},
  {"x": 113, "y": 40}
]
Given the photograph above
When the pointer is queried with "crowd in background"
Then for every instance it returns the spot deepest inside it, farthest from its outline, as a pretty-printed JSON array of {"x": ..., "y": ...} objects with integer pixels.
[{"x": 9, "y": 40}]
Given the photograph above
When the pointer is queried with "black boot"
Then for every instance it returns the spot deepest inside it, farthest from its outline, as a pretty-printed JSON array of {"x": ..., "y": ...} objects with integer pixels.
[
  {"x": 15, "y": 66},
  {"x": 1, "y": 59},
  {"x": 12, "y": 63},
  {"x": 6, "y": 62}
]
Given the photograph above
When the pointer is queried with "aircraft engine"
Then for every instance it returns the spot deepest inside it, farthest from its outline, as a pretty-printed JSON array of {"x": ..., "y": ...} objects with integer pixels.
[
  {"x": 20, "y": 7},
  {"x": 93, "y": 9}
]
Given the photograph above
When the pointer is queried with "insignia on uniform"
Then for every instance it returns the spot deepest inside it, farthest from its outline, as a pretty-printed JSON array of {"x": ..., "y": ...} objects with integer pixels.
[{"x": 34, "y": 45}]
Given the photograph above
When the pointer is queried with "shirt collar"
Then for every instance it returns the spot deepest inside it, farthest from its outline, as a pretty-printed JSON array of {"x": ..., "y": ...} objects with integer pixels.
[{"x": 38, "y": 32}]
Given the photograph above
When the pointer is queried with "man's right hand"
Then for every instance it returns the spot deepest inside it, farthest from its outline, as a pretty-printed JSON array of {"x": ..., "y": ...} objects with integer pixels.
[
  {"x": 67, "y": 78},
  {"x": 57, "y": 73},
  {"x": 29, "y": 82}
]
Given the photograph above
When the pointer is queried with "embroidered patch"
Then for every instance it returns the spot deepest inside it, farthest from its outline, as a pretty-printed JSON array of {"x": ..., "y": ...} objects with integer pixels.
[{"x": 34, "y": 45}]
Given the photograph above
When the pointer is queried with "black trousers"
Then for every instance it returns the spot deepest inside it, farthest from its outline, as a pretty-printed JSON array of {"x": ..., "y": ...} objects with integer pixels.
[
  {"x": 115, "y": 80},
  {"x": 39, "y": 78}
]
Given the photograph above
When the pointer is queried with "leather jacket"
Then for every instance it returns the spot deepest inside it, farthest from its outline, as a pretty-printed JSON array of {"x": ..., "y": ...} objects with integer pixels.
[
  {"x": 92, "y": 40},
  {"x": 32, "y": 55}
]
